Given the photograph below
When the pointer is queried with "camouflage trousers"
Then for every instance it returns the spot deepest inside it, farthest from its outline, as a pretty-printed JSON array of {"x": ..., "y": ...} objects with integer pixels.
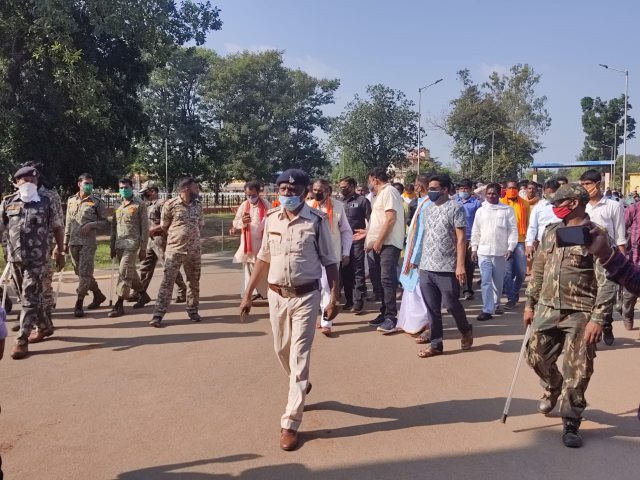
[
  {"x": 613, "y": 291},
  {"x": 83, "y": 259},
  {"x": 148, "y": 266},
  {"x": 128, "y": 278},
  {"x": 192, "y": 265},
  {"x": 544, "y": 348},
  {"x": 47, "y": 280},
  {"x": 31, "y": 284}
]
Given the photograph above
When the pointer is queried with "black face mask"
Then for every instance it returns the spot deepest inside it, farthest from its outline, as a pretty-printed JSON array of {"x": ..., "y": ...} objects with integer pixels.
[
  {"x": 346, "y": 193},
  {"x": 319, "y": 196}
]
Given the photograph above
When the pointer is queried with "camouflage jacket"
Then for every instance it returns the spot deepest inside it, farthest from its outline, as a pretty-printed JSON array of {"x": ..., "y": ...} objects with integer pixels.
[
  {"x": 28, "y": 226},
  {"x": 130, "y": 226},
  {"x": 565, "y": 278},
  {"x": 81, "y": 211},
  {"x": 182, "y": 222}
]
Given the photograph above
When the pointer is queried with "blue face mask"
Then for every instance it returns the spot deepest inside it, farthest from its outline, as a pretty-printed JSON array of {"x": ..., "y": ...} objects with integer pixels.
[
  {"x": 290, "y": 203},
  {"x": 434, "y": 196},
  {"x": 464, "y": 195}
]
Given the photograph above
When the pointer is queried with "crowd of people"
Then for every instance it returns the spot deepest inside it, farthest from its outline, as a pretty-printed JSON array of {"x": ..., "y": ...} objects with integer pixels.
[{"x": 421, "y": 242}]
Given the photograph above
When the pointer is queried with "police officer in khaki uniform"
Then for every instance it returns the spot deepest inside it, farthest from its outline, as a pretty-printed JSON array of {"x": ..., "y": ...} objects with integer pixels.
[
  {"x": 182, "y": 220},
  {"x": 157, "y": 242},
  {"x": 129, "y": 235},
  {"x": 296, "y": 245},
  {"x": 85, "y": 214},
  {"x": 28, "y": 219}
]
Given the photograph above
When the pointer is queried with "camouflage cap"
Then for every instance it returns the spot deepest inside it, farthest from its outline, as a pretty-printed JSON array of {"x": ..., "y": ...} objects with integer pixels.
[
  {"x": 570, "y": 191},
  {"x": 148, "y": 185}
]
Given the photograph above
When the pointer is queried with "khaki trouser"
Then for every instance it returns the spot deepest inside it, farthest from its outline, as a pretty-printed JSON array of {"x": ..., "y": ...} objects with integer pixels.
[{"x": 293, "y": 321}]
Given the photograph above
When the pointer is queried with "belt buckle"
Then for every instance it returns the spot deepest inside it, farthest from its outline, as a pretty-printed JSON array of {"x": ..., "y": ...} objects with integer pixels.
[{"x": 287, "y": 292}]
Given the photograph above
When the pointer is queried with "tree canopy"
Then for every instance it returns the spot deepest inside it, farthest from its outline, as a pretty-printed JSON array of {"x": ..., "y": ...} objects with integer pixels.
[{"x": 603, "y": 125}]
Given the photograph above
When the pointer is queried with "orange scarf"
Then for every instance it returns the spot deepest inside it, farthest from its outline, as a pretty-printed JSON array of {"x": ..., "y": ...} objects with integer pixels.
[
  {"x": 246, "y": 231},
  {"x": 521, "y": 213},
  {"x": 329, "y": 207}
]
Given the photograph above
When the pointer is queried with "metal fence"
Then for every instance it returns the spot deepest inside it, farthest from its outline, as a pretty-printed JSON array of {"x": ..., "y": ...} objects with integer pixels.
[{"x": 209, "y": 200}]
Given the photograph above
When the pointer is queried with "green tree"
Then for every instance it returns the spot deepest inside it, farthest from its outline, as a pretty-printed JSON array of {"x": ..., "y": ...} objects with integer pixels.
[
  {"x": 603, "y": 125},
  {"x": 70, "y": 74},
  {"x": 376, "y": 131},
  {"x": 267, "y": 115}
]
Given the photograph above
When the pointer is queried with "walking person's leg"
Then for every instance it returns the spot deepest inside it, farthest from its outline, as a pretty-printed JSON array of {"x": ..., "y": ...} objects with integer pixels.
[
  {"x": 360, "y": 287},
  {"x": 192, "y": 270},
  {"x": 433, "y": 301},
  {"x": 628, "y": 307},
  {"x": 499, "y": 266},
  {"x": 470, "y": 268},
  {"x": 485, "y": 263},
  {"x": 520, "y": 271},
  {"x": 389, "y": 256},
  {"x": 450, "y": 290}
]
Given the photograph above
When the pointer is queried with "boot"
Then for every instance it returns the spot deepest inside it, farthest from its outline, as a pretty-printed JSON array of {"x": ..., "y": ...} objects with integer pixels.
[
  {"x": 20, "y": 351},
  {"x": 98, "y": 299},
  {"x": 118, "y": 309},
  {"x": 78, "y": 311},
  {"x": 548, "y": 402},
  {"x": 571, "y": 435},
  {"x": 143, "y": 299}
]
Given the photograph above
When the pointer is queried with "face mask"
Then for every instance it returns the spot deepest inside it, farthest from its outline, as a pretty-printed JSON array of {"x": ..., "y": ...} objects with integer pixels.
[
  {"x": 592, "y": 191},
  {"x": 126, "y": 193},
  {"x": 254, "y": 199},
  {"x": 28, "y": 192},
  {"x": 194, "y": 196},
  {"x": 512, "y": 192},
  {"x": 562, "y": 212},
  {"x": 87, "y": 188},
  {"x": 464, "y": 195},
  {"x": 319, "y": 196},
  {"x": 434, "y": 196},
  {"x": 290, "y": 203}
]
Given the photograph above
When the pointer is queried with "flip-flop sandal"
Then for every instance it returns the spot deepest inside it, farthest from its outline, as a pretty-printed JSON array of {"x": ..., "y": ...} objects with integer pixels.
[
  {"x": 429, "y": 352},
  {"x": 424, "y": 338}
]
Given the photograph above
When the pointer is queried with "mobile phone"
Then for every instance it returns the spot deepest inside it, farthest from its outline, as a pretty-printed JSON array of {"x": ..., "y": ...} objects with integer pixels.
[{"x": 572, "y": 236}]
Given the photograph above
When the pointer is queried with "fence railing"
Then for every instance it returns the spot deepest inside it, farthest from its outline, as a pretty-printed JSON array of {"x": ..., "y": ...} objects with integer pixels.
[{"x": 209, "y": 200}]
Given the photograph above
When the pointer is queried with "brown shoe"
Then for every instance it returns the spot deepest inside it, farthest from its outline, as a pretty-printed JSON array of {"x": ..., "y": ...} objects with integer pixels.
[
  {"x": 467, "y": 340},
  {"x": 288, "y": 439},
  {"x": 20, "y": 351},
  {"x": 39, "y": 335},
  {"x": 429, "y": 352},
  {"x": 628, "y": 323}
]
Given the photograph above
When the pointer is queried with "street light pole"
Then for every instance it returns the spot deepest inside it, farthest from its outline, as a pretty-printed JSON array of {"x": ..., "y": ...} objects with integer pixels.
[
  {"x": 166, "y": 166},
  {"x": 493, "y": 137},
  {"x": 624, "y": 138},
  {"x": 420, "y": 119}
]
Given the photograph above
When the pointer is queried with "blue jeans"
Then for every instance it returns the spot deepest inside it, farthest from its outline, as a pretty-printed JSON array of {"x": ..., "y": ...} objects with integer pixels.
[
  {"x": 515, "y": 273},
  {"x": 492, "y": 270}
]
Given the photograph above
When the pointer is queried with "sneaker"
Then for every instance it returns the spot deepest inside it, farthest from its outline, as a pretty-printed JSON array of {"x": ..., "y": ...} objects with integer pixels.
[
  {"x": 607, "y": 334},
  {"x": 376, "y": 322},
  {"x": 388, "y": 326},
  {"x": 499, "y": 310},
  {"x": 571, "y": 433},
  {"x": 510, "y": 305},
  {"x": 483, "y": 317},
  {"x": 469, "y": 296}
]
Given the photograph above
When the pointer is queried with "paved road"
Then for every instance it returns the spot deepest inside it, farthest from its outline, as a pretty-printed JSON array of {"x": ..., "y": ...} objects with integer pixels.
[{"x": 115, "y": 399}]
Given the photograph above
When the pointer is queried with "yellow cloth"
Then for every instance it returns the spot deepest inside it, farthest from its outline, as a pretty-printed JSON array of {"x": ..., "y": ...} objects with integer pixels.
[{"x": 522, "y": 210}]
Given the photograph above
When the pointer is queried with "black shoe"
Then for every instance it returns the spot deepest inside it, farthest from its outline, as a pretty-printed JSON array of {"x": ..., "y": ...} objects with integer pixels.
[
  {"x": 195, "y": 317},
  {"x": 357, "y": 308},
  {"x": 347, "y": 306},
  {"x": 483, "y": 317},
  {"x": 144, "y": 298},
  {"x": 548, "y": 403},
  {"x": 16, "y": 328},
  {"x": 77, "y": 310},
  {"x": 118, "y": 309},
  {"x": 133, "y": 298},
  {"x": 607, "y": 334},
  {"x": 156, "y": 321},
  {"x": 98, "y": 298},
  {"x": 571, "y": 434},
  {"x": 510, "y": 305},
  {"x": 376, "y": 322},
  {"x": 469, "y": 296}
]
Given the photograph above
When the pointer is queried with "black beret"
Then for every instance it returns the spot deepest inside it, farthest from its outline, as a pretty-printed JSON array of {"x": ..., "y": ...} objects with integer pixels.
[
  {"x": 294, "y": 176},
  {"x": 26, "y": 172}
]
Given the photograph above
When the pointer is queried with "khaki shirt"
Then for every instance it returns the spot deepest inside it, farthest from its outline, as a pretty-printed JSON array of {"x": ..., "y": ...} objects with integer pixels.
[
  {"x": 130, "y": 226},
  {"x": 81, "y": 211},
  {"x": 296, "y": 249},
  {"x": 182, "y": 222},
  {"x": 567, "y": 278}
]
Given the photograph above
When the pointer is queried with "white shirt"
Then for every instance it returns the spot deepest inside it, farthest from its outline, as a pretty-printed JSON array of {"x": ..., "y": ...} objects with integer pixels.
[
  {"x": 541, "y": 216},
  {"x": 494, "y": 230},
  {"x": 341, "y": 233},
  {"x": 387, "y": 198},
  {"x": 609, "y": 214}
]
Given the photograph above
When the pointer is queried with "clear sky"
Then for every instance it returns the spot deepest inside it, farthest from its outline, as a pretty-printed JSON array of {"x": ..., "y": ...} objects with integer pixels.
[{"x": 407, "y": 44}]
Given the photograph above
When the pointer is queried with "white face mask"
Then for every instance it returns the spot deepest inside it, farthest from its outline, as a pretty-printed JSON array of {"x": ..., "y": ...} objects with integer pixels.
[{"x": 29, "y": 192}]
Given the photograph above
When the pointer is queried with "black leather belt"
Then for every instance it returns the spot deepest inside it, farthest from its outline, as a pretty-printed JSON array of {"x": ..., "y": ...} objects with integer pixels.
[{"x": 292, "y": 292}]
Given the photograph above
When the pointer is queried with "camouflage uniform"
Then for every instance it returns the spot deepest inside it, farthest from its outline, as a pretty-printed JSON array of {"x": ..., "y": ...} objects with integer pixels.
[
  {"x": 182, "y": 223},
  {"x": 81, "y": 211},
  {"x": 129, "y": 233},
  {"x": 56, "y": 204},
  {"x": 566, "y": 293},
  {"x": 28, "y": 226},
  {"x": 155, "y": 250}
]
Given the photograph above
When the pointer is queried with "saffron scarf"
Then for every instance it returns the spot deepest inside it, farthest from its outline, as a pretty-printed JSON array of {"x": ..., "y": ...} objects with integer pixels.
[
  {"x": 246, "y": 231},
  {"x": 521, "y": 213},
  {"x": 329, "y": 206}
]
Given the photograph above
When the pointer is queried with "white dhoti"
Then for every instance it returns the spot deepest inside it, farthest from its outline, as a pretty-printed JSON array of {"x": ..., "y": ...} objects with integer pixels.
[{"x": 413, "y": 316}]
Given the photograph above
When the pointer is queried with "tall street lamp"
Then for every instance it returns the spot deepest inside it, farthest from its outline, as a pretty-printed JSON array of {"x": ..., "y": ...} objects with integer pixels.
[
  {"x": 613, "y": 153},
  {"x": 624, "y": 138},
  {"x": 420, "y": 118}
]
